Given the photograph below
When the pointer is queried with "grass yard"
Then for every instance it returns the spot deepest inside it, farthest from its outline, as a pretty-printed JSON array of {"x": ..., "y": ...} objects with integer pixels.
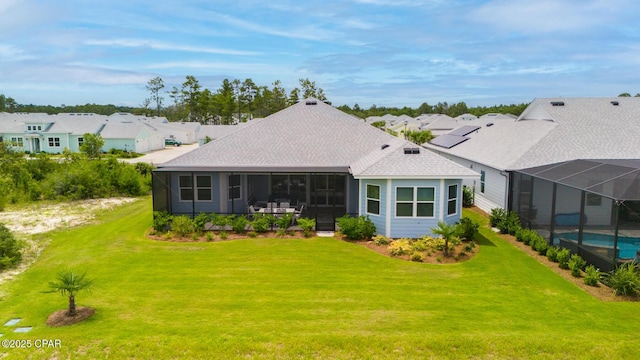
[{"x": 307, "y": 298}]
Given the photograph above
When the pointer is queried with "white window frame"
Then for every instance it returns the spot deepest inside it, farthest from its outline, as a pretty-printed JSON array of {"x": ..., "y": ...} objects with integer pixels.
[
  {"x": 18, "y": 141},
  {"x": 372, "y": 199},
  {"x": 195, "y": 188},
  {"x": 415, "y": 202},
  {"x": 455, "y": 199}
]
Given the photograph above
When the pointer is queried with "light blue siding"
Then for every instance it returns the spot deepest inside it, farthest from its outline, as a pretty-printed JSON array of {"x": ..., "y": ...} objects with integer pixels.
[
  {"x": 380, "y": 221},
  {"x": 389, "y": 224},
  {"x": 195, "y": 207}
]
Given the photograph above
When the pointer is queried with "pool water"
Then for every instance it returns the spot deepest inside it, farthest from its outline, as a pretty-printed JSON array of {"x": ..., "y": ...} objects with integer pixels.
[{"x": 629, "y": 246}]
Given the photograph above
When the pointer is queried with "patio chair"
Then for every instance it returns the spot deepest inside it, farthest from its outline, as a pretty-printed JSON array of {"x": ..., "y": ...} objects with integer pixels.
[
  {"x": 285, "y": 204},
  {"x": 272, "y": 205},
  {"x": 298, "y": 213}
]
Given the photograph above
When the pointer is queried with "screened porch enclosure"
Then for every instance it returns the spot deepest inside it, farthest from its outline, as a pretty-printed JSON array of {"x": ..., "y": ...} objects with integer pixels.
[
  {"x": 591, "y": 207},
  {"x": 321, "y": 196}
]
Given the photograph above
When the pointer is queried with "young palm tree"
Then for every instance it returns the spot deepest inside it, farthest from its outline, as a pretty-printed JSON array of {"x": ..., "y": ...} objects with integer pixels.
[
  {"x": 448, "y": 232},
  {"x": 68, "y": 284}
]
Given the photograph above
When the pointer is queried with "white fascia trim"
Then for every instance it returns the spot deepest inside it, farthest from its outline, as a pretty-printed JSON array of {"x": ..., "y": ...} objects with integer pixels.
[{"x": 388, "y": 205}]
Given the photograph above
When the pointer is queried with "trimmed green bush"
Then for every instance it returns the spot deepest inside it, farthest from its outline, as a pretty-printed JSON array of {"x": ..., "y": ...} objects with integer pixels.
[
  {"x": 540, "y": 245},
  {"x": 182, "y": 225},
  {"x": 161, "y": 221},
  {"x": 496, "y": 216},
  {"x": 200, "y": 221},
  {"x": 356, "y": 228},
  {"x": 239, "y": 224},
  {"x": 417, "y": 256},
  {"x": 261, "y": 223},
  {"x": 467, "y": 197},
  {"x": 576, "y": 264},
  {"x": 563, "y": 257},
  {"x": 467, "y": 229},
  {"x": 552, "y": 254}
]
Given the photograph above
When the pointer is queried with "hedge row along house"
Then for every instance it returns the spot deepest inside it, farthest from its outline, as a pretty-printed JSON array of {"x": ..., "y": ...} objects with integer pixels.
[
  {"x": 313, "y": 158},
  {"x": 570, "y": 167}
]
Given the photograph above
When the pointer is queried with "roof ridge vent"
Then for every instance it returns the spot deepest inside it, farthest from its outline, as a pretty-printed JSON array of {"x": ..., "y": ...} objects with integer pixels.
[
  {"x": 557, "y": 103},
  {"x": 311, "y": 102}
]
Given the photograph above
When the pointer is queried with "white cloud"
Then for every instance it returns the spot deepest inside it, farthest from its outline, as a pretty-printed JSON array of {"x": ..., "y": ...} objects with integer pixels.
[{"x": 157, "y": 45}]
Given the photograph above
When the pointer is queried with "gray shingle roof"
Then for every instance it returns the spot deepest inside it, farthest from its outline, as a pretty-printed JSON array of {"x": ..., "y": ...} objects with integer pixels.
[
  {"x": 583, "y": 128},
  {"x": 314, "y": 138}
]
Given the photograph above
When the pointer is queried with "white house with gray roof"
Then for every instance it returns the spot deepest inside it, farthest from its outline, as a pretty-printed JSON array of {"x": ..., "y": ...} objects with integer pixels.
[
  {"x": 550, "y": 130},
  {"x": 315, "y": 157}
]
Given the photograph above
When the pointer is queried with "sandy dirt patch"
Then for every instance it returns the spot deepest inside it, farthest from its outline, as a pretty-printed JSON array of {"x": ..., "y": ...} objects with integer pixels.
[{"x": 30, "y": 223}]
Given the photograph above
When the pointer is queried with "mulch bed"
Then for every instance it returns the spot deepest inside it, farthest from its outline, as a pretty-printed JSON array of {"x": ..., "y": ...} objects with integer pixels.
[
  {"x": 60, "y": 317},
  {"x": 434, "y": 257}
]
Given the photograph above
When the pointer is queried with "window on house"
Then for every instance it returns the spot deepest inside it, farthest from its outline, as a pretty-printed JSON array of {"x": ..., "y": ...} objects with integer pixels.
[
  {"x": 452, "y": 200},
  {"x": 203, "y": 184},
  {"x": 373, "y": 199},
  {"x": 39, "y": 127},
  {"x": 54, "y": 141},
  {"x": 80, "y": 141},
  {"x": 415, "y": 201},
  {"x": 29, "y": 127},
  {"x": 482, "y": 177},
  {"x": 17, "y": 141},
  {"x": 234, "y": 187},
  {"x": 594, "y": 199},
  {"x": 186, "y": 188}
]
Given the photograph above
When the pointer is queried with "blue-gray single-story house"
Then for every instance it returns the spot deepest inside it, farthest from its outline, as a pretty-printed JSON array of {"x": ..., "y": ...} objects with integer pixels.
[{"x": 315, "y": 157}]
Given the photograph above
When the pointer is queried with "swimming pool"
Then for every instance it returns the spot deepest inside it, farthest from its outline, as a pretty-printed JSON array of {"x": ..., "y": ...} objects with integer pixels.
[{"x": 629, "y": 246}]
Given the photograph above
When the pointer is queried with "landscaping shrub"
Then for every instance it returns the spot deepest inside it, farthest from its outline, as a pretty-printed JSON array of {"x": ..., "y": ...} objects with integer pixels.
[
  {"x": 10, "y": 253},
  {"x": 161, "y": 221},
  {"x": 510, "y": 223},
  {"x": 419, "y": 245},
  {"x": 520, "y": 234},
  {"x": 356, "y": 228},
  {"x": 400, "y": 247},
  {"x": 260, "y": 223},
  {"x": 199, "y": 222},
  {"x": 624, "y": 280},
  {"x": 576, "y": 264},
  {"x": 592, "y": 275},
  {"x": 239, "y": 224},
  {"x": 220, "y": 220},
  {"x": 380, "y": 240},
  {"x": 284, "y": 221},
  {"x": 434, "y": 243},
  {"x": 467, "y": 197},
  {"x": 307, "y": 225},
  {"x": 563, "y": 257},
  {"x": 540, "y": 245},
  {"x": 467, "y": 229},
  {"x": 182, "y": 225},
  {"x": 496, "y": 216},
  {"x": 417, "y": 256},
  {"x": 552, "y": 253},
  {"x": 469, "y": 246}
]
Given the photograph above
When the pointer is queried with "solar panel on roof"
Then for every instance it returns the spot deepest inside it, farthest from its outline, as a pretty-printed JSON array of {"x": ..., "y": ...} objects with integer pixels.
[
  {"x": 448, "y": 141},
  {"x": 464, "y": 130}
]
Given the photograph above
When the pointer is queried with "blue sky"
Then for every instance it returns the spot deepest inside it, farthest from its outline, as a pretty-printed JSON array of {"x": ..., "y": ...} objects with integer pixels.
[{"x": 382, "y": 52}]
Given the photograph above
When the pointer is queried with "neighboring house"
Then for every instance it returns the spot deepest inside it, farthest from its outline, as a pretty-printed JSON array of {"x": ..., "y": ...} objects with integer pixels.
[
  {"x": 568, "y": 166},
  {"x": 314, "y": 156},
  {"x": 550, "y": 130},
  {"x": 39, "y": 132}
]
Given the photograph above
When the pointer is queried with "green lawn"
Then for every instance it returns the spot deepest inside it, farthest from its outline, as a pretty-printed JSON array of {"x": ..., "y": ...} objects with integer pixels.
[{"x": 309, "y": 298}]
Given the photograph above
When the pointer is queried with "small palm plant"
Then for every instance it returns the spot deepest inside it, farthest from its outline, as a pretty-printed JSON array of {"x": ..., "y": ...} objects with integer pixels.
[
  {"x": 69, "y": 283},
  {"x": 448, "y": 232}
]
